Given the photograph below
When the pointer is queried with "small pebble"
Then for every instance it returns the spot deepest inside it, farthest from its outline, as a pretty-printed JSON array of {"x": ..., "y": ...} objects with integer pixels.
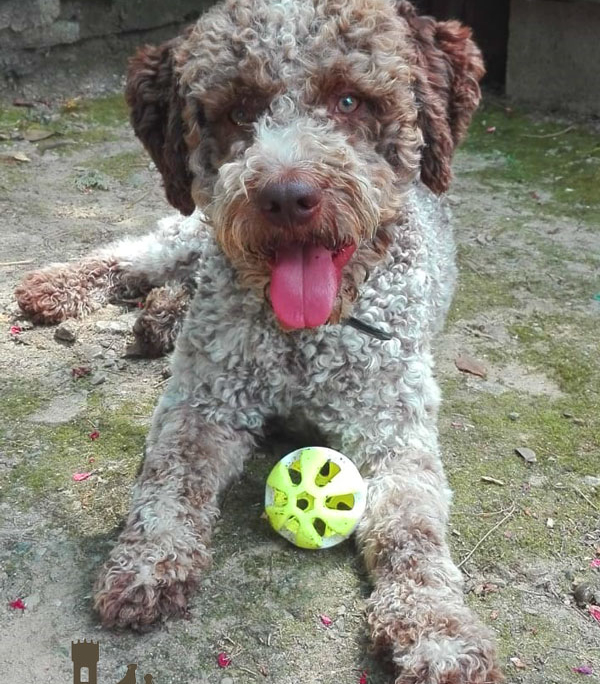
[
  {"x": 513, "y": 415},
  {"x": 527, "y": 454},
  {"x": 113, "y": 327},
  {"x": 25, "y": 324},
  {"x": 32, "y": 601},
  {"x": 66, "y": 332},
  {"x": 586, "y": 593},
  {"x": 97, "y": 379}
]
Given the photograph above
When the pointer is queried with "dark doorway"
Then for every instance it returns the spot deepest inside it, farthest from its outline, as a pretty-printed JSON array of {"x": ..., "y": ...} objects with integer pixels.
[{"x": 489, "y": 21}]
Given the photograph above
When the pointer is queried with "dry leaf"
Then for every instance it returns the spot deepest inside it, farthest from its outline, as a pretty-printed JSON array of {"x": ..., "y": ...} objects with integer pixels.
[
  {"x": 35, "y": 134},
  {"x": 467, "y": 364},
  {"x": 527, "y": 454},
  {"x": 21, "y": 156},
  {"x": 494, "y": 615},
  {"x": 485, "y": 588},
  {"x": 518, "y": 663},
  {"x": 72, "y": 104},
  {"x": 492, "y": 480}
]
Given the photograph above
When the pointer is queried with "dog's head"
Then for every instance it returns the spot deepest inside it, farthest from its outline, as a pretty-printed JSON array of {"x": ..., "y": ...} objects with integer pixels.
[{"x": 297, "y": 126}]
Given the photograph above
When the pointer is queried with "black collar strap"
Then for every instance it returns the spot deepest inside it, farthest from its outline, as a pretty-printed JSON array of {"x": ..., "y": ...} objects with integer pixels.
[{"x": 368, "y": 329}]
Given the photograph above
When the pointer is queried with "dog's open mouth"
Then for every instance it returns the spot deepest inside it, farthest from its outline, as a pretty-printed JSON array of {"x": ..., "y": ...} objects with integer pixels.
[{"x": 305, "y": 280}]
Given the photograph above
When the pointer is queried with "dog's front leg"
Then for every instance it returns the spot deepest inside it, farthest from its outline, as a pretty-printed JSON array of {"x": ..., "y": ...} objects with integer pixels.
[
  {"x": 130, "y": 267},
  {"x": 417, "y": 612},
  {"x": 165, "y": 543}
]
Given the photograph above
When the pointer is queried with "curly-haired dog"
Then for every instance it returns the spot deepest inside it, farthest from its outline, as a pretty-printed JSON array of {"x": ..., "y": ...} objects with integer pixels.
[{"x": 315, "y": 135}]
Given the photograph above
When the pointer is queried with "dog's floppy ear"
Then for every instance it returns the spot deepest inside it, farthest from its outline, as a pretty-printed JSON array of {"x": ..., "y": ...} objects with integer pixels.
[
  {"x": 156, "y": 116},
  {"x": 446, "y": 77}
]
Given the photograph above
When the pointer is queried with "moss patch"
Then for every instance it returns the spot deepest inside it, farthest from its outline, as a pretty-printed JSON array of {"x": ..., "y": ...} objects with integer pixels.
[
  {"x": 78, "y": 122},
  {"x": 52, "y": 454},
  {"x": 541, "y": 156},
  {"x": 122, "y": 165},
  {"x": 102, "y": 111}
]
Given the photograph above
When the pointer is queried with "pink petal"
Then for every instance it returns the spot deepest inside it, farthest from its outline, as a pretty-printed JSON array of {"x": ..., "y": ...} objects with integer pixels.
[
  {"x": 595, "y": 612},
  {"x": 363, "y": 678},
  {"x": 595, "y": 563},
  {"x": 584, "y": 670},
  {"x": 15, "y": 330},
  {"x": 78, "y": 477},
  {"x": 17, "y": 604},
  {"x": 490, "y": 129},
  {"x": 223, "y": 660},
  {"x": 326, "y": 620},
  {"x": 94, "y": 435}
]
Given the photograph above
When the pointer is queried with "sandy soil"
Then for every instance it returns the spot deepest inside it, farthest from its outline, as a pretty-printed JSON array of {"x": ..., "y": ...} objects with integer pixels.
[{"x": 527, "y": 227}]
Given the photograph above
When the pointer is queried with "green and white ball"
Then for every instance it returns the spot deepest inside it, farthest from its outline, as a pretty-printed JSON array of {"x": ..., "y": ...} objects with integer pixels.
[{"x": 315, "y": 497}]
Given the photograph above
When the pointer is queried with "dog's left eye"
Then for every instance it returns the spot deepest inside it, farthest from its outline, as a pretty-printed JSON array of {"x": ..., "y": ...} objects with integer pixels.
[
  {"x": 241, "y": 117},
  {"x": 347, "y": 104}
]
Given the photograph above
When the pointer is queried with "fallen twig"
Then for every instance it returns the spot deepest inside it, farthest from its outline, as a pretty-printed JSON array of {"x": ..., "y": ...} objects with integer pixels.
[
  {"x": 245, "y": 669},
  {"x": 549, "y": 135},
  {"x": 16, "y": 263},
  {"x": 135, "y": 201},
  {"x": 586, "y": 498},
  {"x": 474, "y": 268},
  {"x": 486, "y": 535}
]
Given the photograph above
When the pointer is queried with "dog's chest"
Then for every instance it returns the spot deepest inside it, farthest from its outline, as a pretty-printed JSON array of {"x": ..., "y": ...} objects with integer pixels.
[{"x": 234, "y": 333}]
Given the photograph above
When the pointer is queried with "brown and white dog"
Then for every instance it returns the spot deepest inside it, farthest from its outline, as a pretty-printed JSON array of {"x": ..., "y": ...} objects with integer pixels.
[{"x": 306, "y": 144}]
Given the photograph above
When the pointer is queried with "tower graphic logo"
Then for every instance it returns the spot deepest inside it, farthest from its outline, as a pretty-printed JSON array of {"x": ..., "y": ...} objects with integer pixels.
[{"x": 85, "y": 655}]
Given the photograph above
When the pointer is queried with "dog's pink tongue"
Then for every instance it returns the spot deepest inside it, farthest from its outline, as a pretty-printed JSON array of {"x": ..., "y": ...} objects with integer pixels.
[{"x": 304, "y": 285}]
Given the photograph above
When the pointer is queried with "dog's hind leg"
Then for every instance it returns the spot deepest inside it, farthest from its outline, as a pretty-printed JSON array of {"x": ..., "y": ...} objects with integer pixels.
[{"x": 127, "y": 268}]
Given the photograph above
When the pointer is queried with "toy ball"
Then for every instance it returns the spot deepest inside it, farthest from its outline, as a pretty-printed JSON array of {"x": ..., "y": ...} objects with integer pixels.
[{"x": 315, "y": 497}]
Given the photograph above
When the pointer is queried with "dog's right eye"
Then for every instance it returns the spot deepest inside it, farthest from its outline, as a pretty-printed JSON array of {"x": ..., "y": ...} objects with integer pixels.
[{"x": 347, "y": 104}]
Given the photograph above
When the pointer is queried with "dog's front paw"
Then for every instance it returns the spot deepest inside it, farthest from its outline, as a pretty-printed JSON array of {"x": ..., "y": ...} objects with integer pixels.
[
  {"x": 53, "y": 294},
  {"x": 430, "y": 642},
  {"x": 442, "y": 659},
  {"x": 137, "y": 597}
]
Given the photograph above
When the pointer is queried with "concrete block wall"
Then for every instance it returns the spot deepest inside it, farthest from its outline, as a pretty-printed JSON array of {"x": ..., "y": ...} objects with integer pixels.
[{"x": 554, "y": 54}]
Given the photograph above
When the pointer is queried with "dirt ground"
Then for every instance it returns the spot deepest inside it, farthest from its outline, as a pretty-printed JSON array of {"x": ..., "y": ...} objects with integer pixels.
[{"x": 527, "y": 206}]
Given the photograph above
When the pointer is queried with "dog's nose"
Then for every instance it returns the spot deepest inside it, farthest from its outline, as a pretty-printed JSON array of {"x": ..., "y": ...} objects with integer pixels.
[{"x": 289, "y": 203}]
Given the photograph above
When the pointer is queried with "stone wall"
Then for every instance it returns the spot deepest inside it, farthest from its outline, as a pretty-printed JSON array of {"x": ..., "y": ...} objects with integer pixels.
[{"x": 38, "y": 38}]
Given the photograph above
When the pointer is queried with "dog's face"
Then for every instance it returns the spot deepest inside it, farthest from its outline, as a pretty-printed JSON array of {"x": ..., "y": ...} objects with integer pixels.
[{"x": 297, "y": 127}]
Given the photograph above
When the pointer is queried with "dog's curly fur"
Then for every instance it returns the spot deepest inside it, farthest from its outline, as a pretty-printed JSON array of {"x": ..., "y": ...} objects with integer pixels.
[{"x": 362, "y": 102}]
